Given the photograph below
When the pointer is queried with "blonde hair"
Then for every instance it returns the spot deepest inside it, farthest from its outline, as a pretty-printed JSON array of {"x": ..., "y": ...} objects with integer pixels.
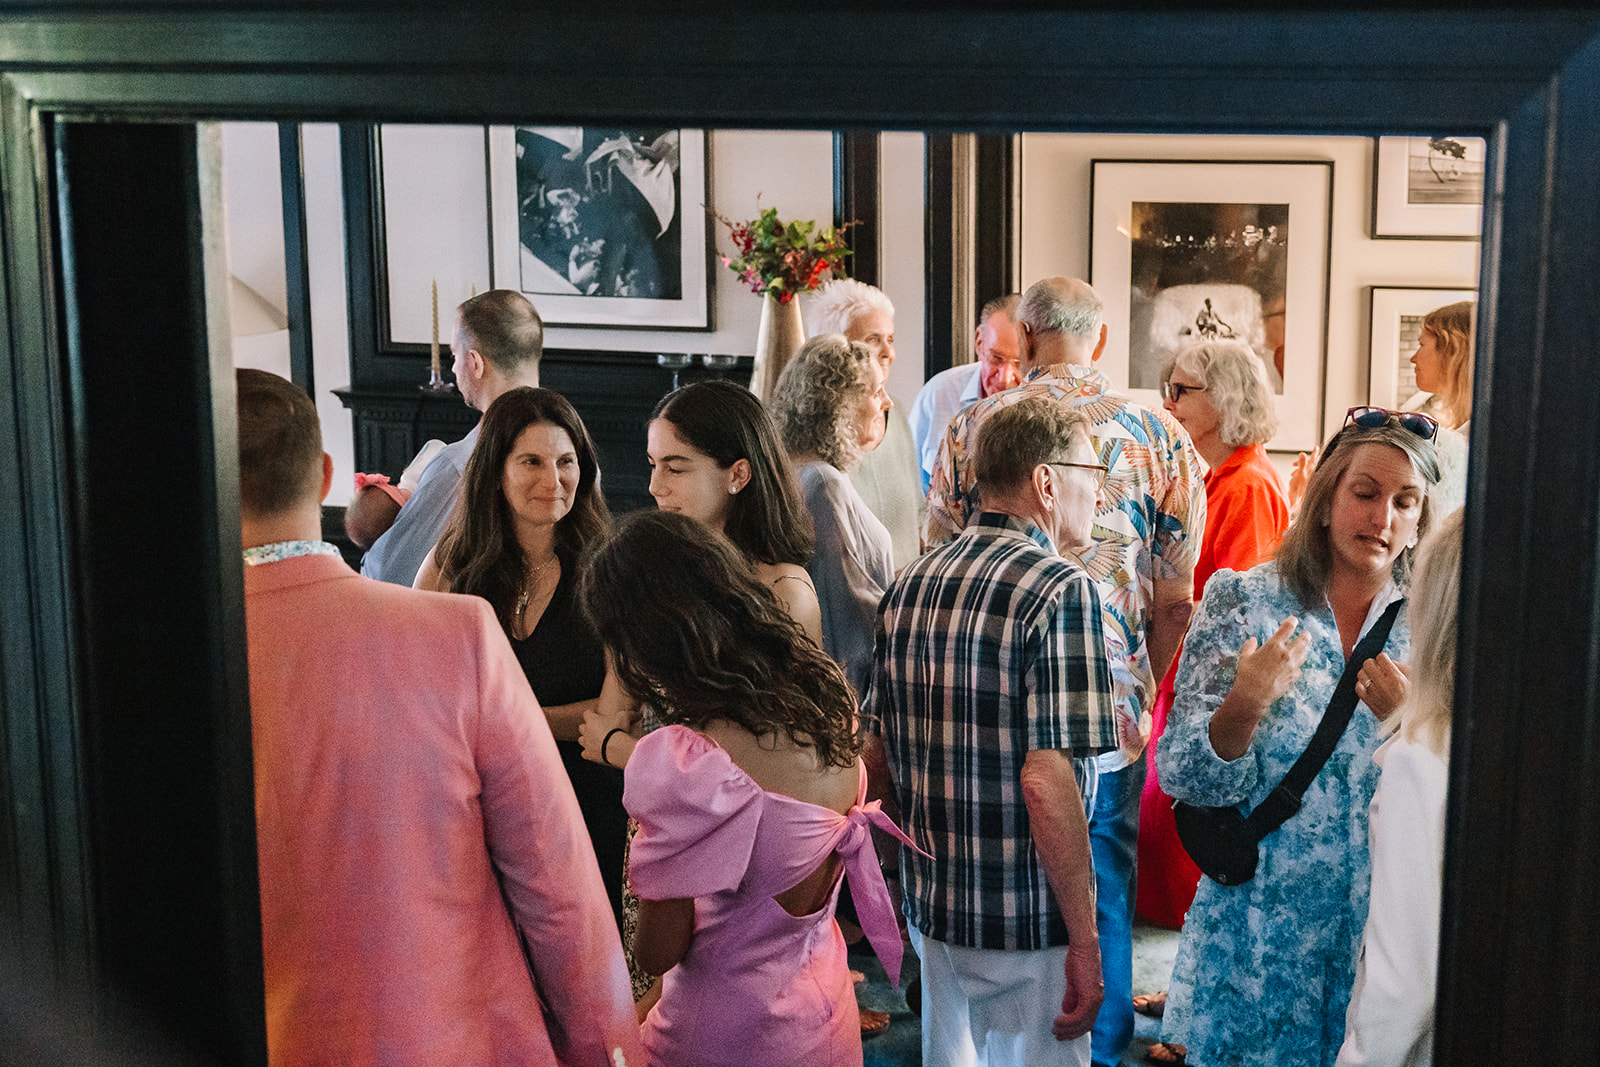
[
  {"x": 1305, "y": 556},
  {"x": 1451, "y": 327},
  {"x": 1432, "y": 611}
]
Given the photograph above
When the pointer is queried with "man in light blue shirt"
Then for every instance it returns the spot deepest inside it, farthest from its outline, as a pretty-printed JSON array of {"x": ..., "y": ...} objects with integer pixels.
[
  {"x": 950, "y": 391},
  {"x": 498, "y": 341}
]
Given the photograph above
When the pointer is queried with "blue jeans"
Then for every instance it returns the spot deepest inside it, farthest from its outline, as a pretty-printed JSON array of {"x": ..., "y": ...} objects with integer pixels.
[{"x": 1113, "y": 839}]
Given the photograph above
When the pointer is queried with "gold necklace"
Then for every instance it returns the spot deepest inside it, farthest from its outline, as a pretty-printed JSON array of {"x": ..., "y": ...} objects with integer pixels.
[{"x": 527, "y": 590}]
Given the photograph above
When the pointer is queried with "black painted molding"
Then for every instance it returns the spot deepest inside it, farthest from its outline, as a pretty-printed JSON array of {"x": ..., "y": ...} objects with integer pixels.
[{"x": 856, "y": 193}]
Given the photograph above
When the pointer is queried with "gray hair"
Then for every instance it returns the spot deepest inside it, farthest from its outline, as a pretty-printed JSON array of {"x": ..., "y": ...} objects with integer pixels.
[
  {"x": 1046, "y": 309},
  {"x": 814, "y": 400},
  {"x": 1235, "y": 381},
  {"x": 1017, "y": 438},
  {"x": 840, "y": 301}
]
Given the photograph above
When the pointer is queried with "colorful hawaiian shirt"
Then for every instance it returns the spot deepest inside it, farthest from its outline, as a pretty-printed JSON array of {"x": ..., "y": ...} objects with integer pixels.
[{"x": 1151, "y": 526}]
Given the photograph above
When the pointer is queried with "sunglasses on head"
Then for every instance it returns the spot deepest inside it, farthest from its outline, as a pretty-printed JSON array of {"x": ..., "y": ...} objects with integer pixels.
[{"x": 1370, "y": 418}]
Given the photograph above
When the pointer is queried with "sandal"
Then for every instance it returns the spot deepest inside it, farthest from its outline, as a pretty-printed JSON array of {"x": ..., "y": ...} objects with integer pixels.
[
  {"x": 1152, "y": 1005},
  {"x": 1168, "y": 1053},
  {"x": 873, "y": 1023}
]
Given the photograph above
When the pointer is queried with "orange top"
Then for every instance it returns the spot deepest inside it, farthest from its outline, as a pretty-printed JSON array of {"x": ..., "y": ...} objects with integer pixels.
[{"x": 1247, "y": 512}]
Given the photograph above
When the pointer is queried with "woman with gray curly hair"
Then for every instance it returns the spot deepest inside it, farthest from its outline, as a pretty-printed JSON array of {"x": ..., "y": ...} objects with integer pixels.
[
  {"x": 829, "y": 405},
  {"x": 1218, "y": 392}
]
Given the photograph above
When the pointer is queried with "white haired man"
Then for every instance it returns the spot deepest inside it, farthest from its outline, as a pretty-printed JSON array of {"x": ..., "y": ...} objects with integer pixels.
[
  {"x": 1147, "y": 537},
  {"x": 889, "y": 478}
]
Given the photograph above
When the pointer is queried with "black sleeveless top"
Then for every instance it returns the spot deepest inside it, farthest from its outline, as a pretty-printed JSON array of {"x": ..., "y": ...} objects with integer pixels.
[
  {"x": 565, "y": 663},
  {"x": 562, "y": 657}
]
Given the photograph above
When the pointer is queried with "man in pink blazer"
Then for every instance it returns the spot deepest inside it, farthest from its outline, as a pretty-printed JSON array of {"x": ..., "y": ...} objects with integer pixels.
[{"x": 428, "y": 891}]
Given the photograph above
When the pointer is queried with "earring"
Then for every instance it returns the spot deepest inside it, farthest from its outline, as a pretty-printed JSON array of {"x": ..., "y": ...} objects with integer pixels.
[{"x": 733, "y": 490}]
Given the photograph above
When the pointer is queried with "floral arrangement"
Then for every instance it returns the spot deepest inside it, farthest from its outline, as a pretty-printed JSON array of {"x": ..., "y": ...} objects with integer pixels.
[{"x": 784, "y": 258}]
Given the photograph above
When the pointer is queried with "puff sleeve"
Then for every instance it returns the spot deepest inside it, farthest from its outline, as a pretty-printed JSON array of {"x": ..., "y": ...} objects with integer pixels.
[{"x": 697, "y": 814}]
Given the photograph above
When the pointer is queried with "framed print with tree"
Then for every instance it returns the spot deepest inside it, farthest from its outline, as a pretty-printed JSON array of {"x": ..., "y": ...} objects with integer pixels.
[
  {"x": 603, "y": 226},
  {"x": 1185, "y": 251},
  {"x": 1428, "y": 188},
  {"x": 1397, "y": 315}
]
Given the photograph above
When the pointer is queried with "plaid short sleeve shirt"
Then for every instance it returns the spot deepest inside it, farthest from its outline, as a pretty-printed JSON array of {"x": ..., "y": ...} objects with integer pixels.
[
  {"x": 1151, "y": 526},
  {"x": 987, "y": 648}
]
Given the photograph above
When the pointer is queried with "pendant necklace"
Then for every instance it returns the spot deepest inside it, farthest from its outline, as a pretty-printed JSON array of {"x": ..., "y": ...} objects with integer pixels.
[{"x": 526, "y": 595}]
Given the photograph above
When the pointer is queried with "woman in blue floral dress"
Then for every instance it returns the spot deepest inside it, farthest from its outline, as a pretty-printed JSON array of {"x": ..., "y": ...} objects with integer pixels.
[{"x": 1264, "y": 969}]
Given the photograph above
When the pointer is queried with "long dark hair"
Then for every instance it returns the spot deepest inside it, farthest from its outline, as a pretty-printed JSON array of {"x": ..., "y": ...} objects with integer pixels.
[
  {"x": 478, "y": 553},
  {"x": 767, "y": 520},
  {"x": 693, "y": 632}
]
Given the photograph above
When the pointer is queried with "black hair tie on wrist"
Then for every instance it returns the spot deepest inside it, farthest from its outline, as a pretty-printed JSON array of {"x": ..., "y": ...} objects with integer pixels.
[{"x": 615, "y": 730}]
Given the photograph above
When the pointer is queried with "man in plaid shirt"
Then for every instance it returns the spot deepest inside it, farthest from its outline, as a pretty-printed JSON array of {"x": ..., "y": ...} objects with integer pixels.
[
  {"x": 992, "y": 693},
  {"x": 1146, "y": 539}
]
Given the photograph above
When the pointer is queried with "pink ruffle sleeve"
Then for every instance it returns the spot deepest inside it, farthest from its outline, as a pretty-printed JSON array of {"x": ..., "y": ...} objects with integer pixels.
[{"x": 697, "y": 816}]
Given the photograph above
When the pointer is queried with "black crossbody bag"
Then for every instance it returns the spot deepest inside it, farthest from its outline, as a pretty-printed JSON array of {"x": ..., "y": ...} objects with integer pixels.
[{"x": 1224, "y": 842}]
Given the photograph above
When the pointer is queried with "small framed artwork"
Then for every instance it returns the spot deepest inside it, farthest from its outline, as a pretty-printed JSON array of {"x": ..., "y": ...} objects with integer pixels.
[
  {"x": 1428, "y": 188},
  {"x": 1189, "y": 251},
  {"x": 603, "y": 226},
  {"x": 1397, "y": 315}
]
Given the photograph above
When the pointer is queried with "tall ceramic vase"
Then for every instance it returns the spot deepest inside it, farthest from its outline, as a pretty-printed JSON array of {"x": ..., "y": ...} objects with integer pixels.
[{"x": 780, "y": 336}]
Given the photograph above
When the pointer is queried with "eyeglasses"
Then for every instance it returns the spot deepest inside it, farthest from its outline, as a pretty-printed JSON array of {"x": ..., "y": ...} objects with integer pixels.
[
  {"x": 1174, "y": 391},
  {"x": 1102, "y": 472},
  {"x": 1370, "y": 418}
]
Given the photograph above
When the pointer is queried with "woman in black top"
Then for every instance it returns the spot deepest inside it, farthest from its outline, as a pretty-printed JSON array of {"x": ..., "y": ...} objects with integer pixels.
[{"x": 530, "y": 501}]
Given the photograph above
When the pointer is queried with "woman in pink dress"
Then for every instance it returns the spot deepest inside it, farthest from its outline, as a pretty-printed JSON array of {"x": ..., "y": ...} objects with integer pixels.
[{"x": 751, "y": 803}]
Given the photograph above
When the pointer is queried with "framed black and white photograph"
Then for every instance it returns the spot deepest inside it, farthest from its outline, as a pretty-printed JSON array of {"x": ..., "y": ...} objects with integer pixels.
[
  {"x": 1428, "y": 188},
  {"x": 603, "y": 226},
  {"x": 1397, "y": 314},
  {"x": 1188, "y": 251}
]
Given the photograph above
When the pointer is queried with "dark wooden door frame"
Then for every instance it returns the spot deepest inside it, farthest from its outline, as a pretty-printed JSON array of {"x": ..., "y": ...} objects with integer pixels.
[{"x": 1520, "y": 914}]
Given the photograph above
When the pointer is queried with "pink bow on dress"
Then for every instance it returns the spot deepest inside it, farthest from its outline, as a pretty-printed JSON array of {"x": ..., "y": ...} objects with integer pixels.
[{"x": 874, "y": 909}]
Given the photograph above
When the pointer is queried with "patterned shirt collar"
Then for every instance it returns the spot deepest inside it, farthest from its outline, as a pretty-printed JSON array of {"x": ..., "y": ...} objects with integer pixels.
[
  {"x": 281, "y": 550},
  {"x": 1079, "y": 376}
]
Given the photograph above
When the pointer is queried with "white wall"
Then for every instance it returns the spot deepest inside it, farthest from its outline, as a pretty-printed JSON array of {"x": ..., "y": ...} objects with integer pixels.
[
  {"x": 253, "y": 212},
  {"x": 330, "y": 320},
  {"x": 902, "y": 194},
  {"x": 1054, "y": 230},
  {"x": 253, "y": 205}
]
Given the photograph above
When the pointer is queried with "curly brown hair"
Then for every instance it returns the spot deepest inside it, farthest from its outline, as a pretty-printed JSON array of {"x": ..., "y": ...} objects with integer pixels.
[
  {"x": 813, "y": 402},
  {"x": 692, "y": 631}
]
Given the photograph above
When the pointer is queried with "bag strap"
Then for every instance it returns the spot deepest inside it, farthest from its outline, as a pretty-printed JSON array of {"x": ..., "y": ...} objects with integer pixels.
[{"x": 1284, "y": 801}]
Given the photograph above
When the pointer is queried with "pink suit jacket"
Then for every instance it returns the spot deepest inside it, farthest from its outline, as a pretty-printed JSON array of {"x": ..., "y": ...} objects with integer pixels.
[{"x": 401, "y": 761}]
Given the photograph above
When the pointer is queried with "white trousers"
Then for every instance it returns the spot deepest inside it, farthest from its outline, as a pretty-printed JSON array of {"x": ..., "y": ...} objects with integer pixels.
[{"x": 989, "y": 1008}]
